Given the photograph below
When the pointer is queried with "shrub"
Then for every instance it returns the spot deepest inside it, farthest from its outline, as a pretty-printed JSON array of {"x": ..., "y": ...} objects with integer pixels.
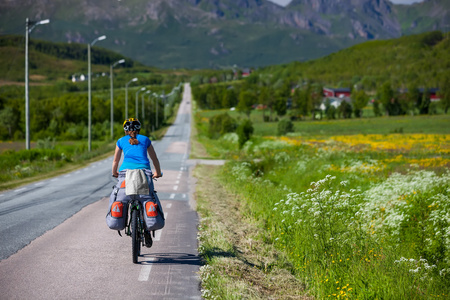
[
  {"x": 285, "y": 126},
  {"x": 221, "y": 124},
  {"x": 244, "y": 132}
]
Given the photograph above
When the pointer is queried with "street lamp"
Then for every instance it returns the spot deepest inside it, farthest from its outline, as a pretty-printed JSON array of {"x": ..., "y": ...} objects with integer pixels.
[
  {"x": 100, "y": 38},
  {"x": 137, "y": 93},
  {"x": 143, "y": 111},
  {"x": 28, "y": 30},
  {"x": 150, "y": 117},
  {"x": 156, "y": 107},
  {"x": 126, "y": 96},
  {"x": 112, "y": 94}
]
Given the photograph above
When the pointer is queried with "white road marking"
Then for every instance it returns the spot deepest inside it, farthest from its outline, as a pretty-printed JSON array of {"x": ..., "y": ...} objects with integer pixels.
[
  {"x": 157, "y": 237},
  {"x": 19, "y": 190},
  {"x": 68, "y": 175},
  {"x": 172, "y": 196},
  {"x": 54, "y": 179},
  {"x": 177, "y": 182},
  {"x": 175, "y": 187},
  {"x": 145, "y": 271},
  {"x": 184, "y": 196},
  {"x": 169, "y": 205}
]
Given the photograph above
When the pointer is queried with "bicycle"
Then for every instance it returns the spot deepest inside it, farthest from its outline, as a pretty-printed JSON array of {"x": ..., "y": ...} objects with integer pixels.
[{"x": 136, "y": 228}]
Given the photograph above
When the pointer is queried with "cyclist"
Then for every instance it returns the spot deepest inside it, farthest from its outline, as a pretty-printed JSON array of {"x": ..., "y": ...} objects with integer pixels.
[{"x": 135, "y": 148}]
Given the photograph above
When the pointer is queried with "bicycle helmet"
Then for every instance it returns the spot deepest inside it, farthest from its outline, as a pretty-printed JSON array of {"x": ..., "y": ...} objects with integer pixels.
[{"x": 131, "y": 124}]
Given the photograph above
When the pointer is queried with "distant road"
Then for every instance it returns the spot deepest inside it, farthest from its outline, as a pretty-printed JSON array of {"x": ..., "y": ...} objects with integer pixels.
[{"x": 74, "y": 255}]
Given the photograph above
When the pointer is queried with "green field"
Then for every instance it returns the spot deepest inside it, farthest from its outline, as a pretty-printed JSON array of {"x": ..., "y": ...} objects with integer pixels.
[{"x": 359, "y": 207}]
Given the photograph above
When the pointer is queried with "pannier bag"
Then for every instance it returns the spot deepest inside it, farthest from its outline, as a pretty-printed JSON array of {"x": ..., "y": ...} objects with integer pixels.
[
  {"x": 116, "y": 217},
  {"x": 153, "y": 214}
]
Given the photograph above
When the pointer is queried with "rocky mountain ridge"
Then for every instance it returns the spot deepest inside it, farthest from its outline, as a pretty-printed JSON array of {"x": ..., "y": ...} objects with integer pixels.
[{"x": 224, "y": 32}]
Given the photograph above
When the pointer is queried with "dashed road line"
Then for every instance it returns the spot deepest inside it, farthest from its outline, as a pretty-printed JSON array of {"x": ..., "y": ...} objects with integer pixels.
[
  {"x": 20, "y": 190},
  {"x": 145, "y": 271},
  {"x": 169, "y": 205},
  {"x": 172, "y": 196},
  {"x": 175, "y": 187}
]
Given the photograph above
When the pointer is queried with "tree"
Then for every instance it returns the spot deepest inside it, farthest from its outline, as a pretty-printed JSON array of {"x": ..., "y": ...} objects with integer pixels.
[
  {"x": 280, "y": 104},
  {"x": 345, "y": 110},
  {"x": 264, "y": 99},
  {"x": 229, "y": 98},
  {"x": 316, "y": 99},
  {"x": 444, "y": 93},
  {"x": 359, "y": 101},
  {"x": 9, "y": 120},
  {"x": 410, "y": 99},
  {"x": 425, "y": 101},
  {"x": 246, "y": 101},
  {"x": 221, "y": 124},
  {"x": 389, "y": 100}
]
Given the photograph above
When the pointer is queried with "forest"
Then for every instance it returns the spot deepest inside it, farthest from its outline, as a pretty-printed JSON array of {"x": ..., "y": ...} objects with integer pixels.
[
  {"x": 59, "y": 104},
  {"x": 394, "y": 77}
]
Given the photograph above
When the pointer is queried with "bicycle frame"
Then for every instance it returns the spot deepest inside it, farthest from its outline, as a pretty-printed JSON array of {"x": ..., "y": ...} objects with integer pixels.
[{"x": 138, "y": 239}]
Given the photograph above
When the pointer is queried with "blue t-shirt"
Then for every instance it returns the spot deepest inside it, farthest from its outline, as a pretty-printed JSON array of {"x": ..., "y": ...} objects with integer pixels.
[{"x": 134, "y": 156}]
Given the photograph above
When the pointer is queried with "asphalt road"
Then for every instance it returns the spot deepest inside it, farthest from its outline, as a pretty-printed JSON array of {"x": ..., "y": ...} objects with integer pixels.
[{"x": 54, "y": 242}]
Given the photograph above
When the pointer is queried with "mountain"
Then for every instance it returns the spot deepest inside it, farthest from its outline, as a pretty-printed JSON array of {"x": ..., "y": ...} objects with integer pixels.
[{"x": 223, "y": 33}]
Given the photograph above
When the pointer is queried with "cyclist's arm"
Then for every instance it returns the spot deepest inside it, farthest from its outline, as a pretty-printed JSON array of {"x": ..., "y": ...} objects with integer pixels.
[
  {"x": 152, "y": 154},
  {"x": 116, "y": 161}
]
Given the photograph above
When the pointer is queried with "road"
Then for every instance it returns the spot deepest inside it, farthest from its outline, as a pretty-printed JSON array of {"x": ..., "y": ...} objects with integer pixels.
[{"x": 54, "y": 242}]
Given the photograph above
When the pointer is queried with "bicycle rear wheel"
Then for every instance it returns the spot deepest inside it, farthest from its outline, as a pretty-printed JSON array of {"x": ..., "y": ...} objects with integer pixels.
[{"x": 135, "y": 236}]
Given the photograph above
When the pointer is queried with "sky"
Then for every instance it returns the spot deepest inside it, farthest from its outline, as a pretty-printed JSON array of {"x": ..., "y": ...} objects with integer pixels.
[{"x": 286, "y": 2}]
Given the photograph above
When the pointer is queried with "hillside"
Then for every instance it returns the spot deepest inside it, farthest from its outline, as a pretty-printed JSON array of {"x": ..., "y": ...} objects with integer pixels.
[
  {"x": 423, "y": 60},
  {"x": 220, "y": 34}
]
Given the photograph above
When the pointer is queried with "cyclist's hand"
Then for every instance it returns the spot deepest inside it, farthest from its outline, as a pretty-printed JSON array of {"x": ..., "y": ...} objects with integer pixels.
[
  {"x": 115, "y": 174},
  {"x": 157, "y": 175}
]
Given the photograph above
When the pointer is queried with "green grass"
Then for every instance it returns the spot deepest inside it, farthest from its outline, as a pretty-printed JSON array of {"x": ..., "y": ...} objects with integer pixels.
[
  {"x": 21, "y": 166},
  {"x": 356, "y": 221},
  {"x": 439, "y": 124}
]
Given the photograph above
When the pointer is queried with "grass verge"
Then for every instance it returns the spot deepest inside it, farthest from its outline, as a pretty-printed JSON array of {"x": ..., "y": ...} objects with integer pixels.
[{"x": 239, "y": 264}]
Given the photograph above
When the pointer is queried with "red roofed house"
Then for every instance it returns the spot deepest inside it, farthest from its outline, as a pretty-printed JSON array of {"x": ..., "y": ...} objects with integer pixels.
[{"x": 337, "y": 93}]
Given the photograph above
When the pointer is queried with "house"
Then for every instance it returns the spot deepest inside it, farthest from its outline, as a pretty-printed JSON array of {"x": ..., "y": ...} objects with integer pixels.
[
  {"x": 433, "y": 93},
  {"x": 246, "y": 72},
  {"x": 338, "y": 93},
  {"x": 334, "y": 101}
]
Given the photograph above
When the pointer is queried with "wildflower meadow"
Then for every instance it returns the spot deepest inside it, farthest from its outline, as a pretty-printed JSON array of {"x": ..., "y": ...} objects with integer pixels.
[{"x": 363, "y": 216}]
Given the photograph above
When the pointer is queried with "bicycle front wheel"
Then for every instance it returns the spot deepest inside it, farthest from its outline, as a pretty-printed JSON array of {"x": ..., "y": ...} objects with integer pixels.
[{"x": 135, "y": 237}]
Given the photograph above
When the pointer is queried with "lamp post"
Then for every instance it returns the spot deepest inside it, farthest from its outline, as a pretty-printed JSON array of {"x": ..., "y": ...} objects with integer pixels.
[
  {"x": 143, "y": 110},
  {"x": 28, "y": 30},
  {"x": 137, "y": 93},
  {"x": 150, "y": 117},
  {"x": 111, "y": 74},
  {"x": 100, "y": 38},
  {"x": 126, "y": 96},
  {"x": 156, "y": 108}
]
